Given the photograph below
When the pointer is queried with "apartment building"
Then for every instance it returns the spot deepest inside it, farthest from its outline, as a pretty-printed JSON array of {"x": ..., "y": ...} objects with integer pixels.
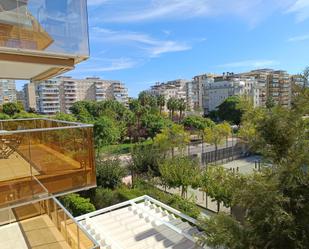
[
  {"x": 230, "y": 85},
  {"x": 59, "y": 94},
  {"x": 48, "y": 97},
  {"x": 275, "y": 85},
  {"x": 198, "y": 90},
  {"x": 7, "y": 91},
  {"x": 30, "y": 96},
  {"x": 171, "y": 89}
]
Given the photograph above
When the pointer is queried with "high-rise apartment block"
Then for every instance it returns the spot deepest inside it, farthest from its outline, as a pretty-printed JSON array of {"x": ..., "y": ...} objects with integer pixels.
[
  {"x": 227, "y": 86},
  {"x": 170, "y": 89},
  {"x": 59, "y": 94},
  {"x": 205, "y": 92},
  {"x": 275, "y": 85},
  {"x": 7, "y": 91}
]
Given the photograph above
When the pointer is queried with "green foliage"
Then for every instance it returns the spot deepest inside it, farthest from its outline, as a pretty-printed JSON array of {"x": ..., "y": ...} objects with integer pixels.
[
  {"x": 229, "y": 110},
  {"x": 65, "y": 117},
  {"x": 12, "y": 108},
  {"x": 270, "y": 103},
  {"x": 216, "y": 134},
  {"x": 105, "y": 197},
  {"x": 106, "y": 132},
  {"x": 145, "y": 159},
  {"x": 276, "y": 200},
  {"x": 77, "y": 205},
  {"x": 153, "y": 124},
  {"x": 222, "y": 231},
  {"x": 80, "y": 110},
  {"x": 4, "y": 116},
  {"x": 161, "y": 102},
  {"x": 23, "y": 114},
  {"x": 172, "y": 137},
  {"x": 109, "y": 173},
  {"x": 180, "y": 172},
  {"x": 197, "y": 123},
  {"x": 217, "y": 182}
]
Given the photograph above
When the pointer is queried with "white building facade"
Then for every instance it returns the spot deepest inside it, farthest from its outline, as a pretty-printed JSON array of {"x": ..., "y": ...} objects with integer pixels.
[{"x": 59, "y": 94}]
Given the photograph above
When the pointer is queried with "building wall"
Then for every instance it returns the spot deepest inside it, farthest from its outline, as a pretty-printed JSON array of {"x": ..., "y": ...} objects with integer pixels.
[
  {"x": 30, "y": 96},
  {"x": 7, "y": 91},
  {"x": 171, "y": 89},
  {"x": 68, "y": 90}
]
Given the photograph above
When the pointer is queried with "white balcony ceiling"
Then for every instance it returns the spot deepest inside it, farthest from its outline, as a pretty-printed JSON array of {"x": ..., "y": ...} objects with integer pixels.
[{"x": 20, "y": 70}]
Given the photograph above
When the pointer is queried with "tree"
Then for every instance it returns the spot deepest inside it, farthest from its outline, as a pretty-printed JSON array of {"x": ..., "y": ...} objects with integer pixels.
[
  {"x": 181, "y": 107},
  {"x": 172, "y": 137},
  {"x": 106, "y": 132},
  {"x": 23, "y": 114},
  {"x": 172, "y": 106},
  {"x": 180, "y": 172},
  {"x": 144, "y": 98},
  {"x": 229, "y": 110},
  {"x": 80, "y": 110},
  {"x": 197, "y": 123},
  {"x": 145, "y": 160},
  {"x": 217, "y": 182},
  {"x": 153, "y": 124},
  {"x": 109, "y": 173},
  {"x": 274, "y": 132},
  {"x": 216, "y": 134},
  {"x": 276, "y": 200},
  {"x": 65, "y": 117},
  {"x": 11, "y": 108},
  {"x": 77, "y": 205},
  {"x": 270, "y": 103},
  {"x": 222, "y": 231},
  {"x": 161, "y": 102}
]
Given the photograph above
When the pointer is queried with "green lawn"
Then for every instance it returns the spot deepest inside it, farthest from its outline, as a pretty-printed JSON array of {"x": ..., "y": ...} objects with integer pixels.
[{"x": 118, "y": 149}]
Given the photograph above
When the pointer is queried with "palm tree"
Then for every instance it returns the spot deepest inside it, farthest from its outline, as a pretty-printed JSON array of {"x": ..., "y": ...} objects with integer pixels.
[
  {"x": 161, "y": 102},
  {"x": 170, "y": 107},
  {"x": 181, "y": 107}
]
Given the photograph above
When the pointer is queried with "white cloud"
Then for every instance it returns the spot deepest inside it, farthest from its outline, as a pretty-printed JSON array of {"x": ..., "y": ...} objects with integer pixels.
[
  {"x": 299, "y": 38},
  {"x": 161, "y": 8},
  {"x": 140, "y": 41},
  {"x": 250, "y": 64},
  {"x": 251, "y": 11},
  {"x": 301, "y": 9},
  {"x": 97, "y": 65}
]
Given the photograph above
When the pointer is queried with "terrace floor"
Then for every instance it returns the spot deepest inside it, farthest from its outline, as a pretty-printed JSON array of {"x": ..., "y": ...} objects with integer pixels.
[
  {"x": 36, "y": 233},
  {"x": 15, "y": 167}
]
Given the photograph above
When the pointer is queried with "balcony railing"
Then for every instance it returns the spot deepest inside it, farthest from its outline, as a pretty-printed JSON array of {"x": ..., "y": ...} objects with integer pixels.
[
  {"x": 44, "y": 224},
  {"x": 40, "y": 157}
]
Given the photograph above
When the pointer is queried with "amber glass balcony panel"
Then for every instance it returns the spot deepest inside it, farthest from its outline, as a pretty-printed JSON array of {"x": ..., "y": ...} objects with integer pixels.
[
  {"x": 39, "y": 157},
  {"x": 42, "y": 224},
  {"x": 57, "y": 26}
]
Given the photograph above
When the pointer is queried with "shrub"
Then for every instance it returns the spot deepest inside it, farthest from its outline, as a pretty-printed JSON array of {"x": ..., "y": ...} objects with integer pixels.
[
  {"x": 109, "y": 173},
  {"x": 105, "y": 197},
  {"x": 4, "y": 116},
  {"x": 77, "y": 205}
]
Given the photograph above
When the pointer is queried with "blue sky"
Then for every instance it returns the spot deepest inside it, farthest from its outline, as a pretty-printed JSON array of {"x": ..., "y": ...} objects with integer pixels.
[{"x": 144, "y": 41}]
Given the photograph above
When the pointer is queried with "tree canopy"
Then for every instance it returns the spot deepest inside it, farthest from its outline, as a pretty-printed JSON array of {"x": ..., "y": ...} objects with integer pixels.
[
  {"x": 180, "y": 172},
  {"x": 230, "y": 111}
]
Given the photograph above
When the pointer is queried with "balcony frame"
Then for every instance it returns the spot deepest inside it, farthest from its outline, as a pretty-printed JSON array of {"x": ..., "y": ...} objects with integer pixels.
[{"x": 46, "y": 194}]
